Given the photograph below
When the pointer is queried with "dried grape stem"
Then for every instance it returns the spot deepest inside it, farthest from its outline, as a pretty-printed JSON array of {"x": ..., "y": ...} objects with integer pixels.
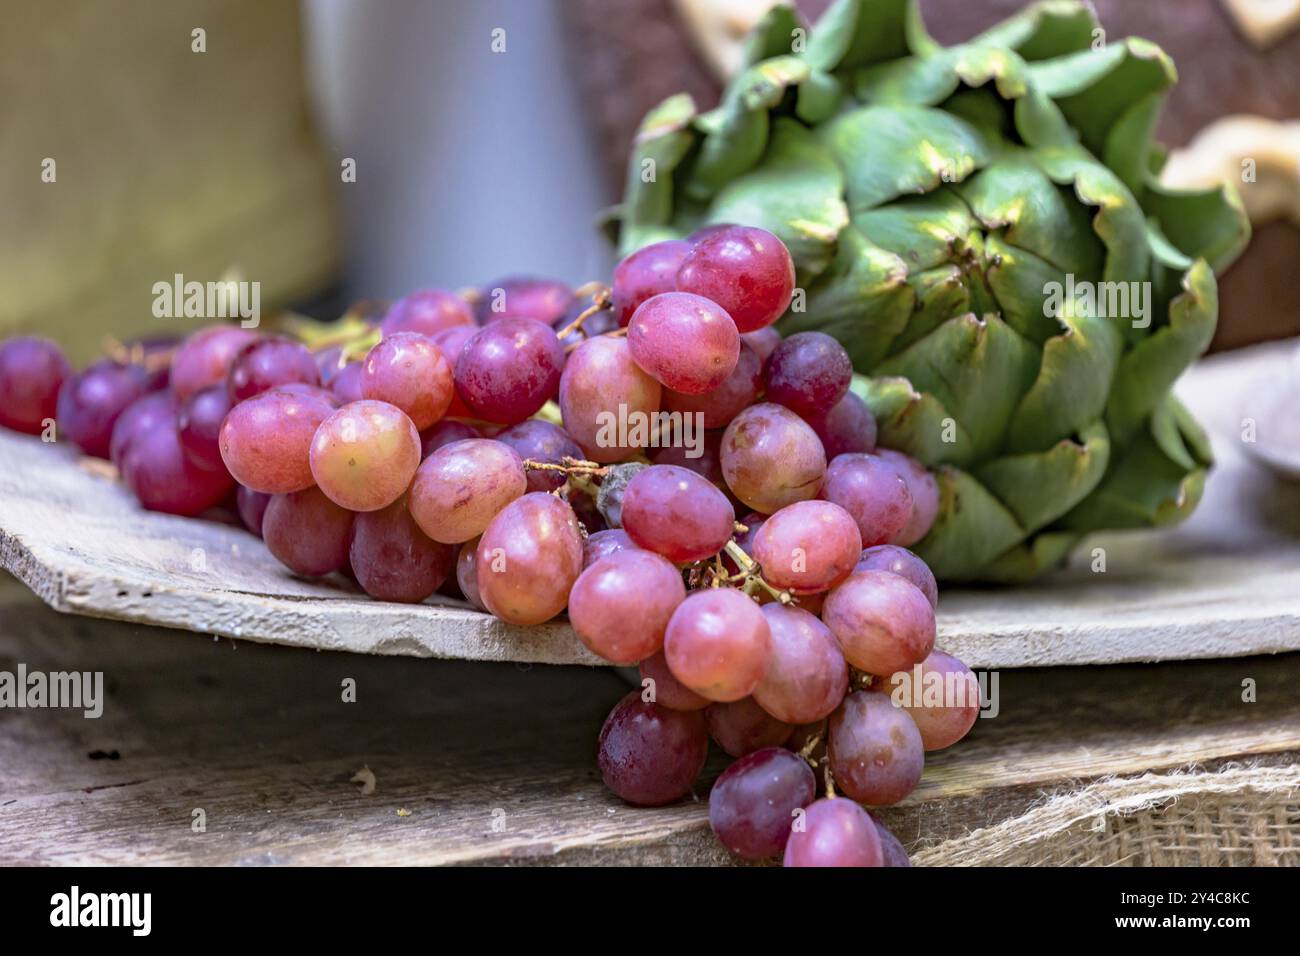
[
  {"x": 754, "y": 574},
  {"x": 599, "y": 302}
]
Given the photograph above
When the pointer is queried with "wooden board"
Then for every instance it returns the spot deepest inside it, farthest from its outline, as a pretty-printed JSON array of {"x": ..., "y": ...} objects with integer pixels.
[
  {"x": 1225, "y": 584},
  {"x": 478, "y": 763}
]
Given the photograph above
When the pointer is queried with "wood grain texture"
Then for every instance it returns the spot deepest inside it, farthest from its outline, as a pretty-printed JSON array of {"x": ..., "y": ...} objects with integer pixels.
[
  {"x": 1225, "y": 584},
  {"x": 493, "y": 764}
]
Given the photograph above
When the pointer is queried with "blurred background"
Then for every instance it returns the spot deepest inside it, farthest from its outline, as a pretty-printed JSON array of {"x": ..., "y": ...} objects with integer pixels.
[{"x": 205, "y": 136}]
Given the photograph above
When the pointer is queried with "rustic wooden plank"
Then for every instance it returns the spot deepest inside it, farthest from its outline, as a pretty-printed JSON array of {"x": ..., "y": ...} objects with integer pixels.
[
  {"x": 260, "y": 740},
  {"x": 1225, "y": 584}
]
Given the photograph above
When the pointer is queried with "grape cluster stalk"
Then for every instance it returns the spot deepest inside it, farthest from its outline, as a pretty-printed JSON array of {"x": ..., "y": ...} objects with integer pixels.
[{"x": 743, "y": 541}]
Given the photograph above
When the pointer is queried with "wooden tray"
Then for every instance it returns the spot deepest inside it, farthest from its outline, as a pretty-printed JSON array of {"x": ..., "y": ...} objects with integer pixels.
[{"x": 1225, "y": 584}]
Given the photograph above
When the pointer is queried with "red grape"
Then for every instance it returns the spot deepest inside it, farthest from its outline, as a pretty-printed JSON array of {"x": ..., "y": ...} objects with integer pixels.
[
  {"x": 528, "y": 559},
  {"x": 509, "y": 370},
  {"x": 720, "y": 405},
  {"x": 620, "y": 606},
  {"x": 600, "y": 380},
  {"x": 146, "y": 413},
  {"x": 883, "y": 623},
  {"x": 848, "y": 428},
  {"x": 772, "y": 458},
  {"x": 942, "y": 695},
  {"x": 645, "y": 273},
  {"x": 467, "y": 573},
  {"x": 604, "y": 543},
  {"x": 89, "y": 403},
  {"x": 365, "y": 454},
  {"x": 924, "y": 489},
  {"x": 763, "y": 341},
  {"x": 875, "y": 750},
  {"x": 522, "y": 297},
  {"x": 263, "y": 364},
  {"x": 873, "y": 492},
  {"x": 252, "y": 508},
  {"x": 32, "y": 370},
  {"x": 407, "y": 370},
  {"x": 157, "y": 472},
  {"x": 667, "y": 690},
  {"x": 718, "y": 644},
  {"x": 752, "y": 805},
  {"x": 675, "y": 512},
  {"x": 809, "y": 373},
  {"x": 393, "y": 559},
  {"x": 444, "y": 433},
  {"x": 742, "y": 726},
  {"x": 266, "y": 441},
  {"x": 200, "y": 421},
  {"x": 205, "y": 358},
  {"x": 891, "y": 850},
  {"x": 747, "y": 271},
  {"x": 834, "y": 832},
  {"x": 462, "y": 486},
  {"x": 808, "y": 546},
  {"x": 650, "y": 755},
  {"x": 427, "y": 312},
  {"x": 900, "y": 561},
  {"x": 685, "y": 341},
  {"x": 806, "y": 676},
  {"x": 541, "y": 441},
  {"x": 307, "y": 532},
  {"x": 346, "y": 385}
]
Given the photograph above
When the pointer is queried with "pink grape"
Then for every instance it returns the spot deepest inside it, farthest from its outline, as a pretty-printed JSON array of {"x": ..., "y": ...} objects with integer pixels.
[
  {"x": 942, "y": 695},
  {"x": 270, "y": 361},
  {"x": 875, "y": 750},
  {"x": 200, "y": 422},
  {"x": 445, "y": 432},
  {"x": 346, "y": 385},
  {"x": 718, "y": 644},
  {"x": 427, "y": 312},
  {"x": 252, "y": 507},
  {"x": 266, "y": 441},
  {"x": 687, "y": 342},
  {"x": 90, "y": 403},
  {"x": 747, "y": 271},
  {"x": 808, "y": 546},
  {"x": 307, "y": 532},
  {"x": 330, "y": 360},
  {"x": 598, "y": 379},
  {"x": 873, "y": 492},
  {"x": 718, "y": 406},
  {"x": 205, "y": 358},
  {"x": 150, "y": 411},
  {"x": 806, "y": 676},
  {"x": 365, "y": 454},
  {"x": 524, "y": 297},
  {"x": 742, "y": 726},
  {"x": 509, "y": 370},
  {"x": 835, "y": 832},
  {"x": 543, "y": 442},
  {"x": 452, "y": 341},
  {"x": 883, "y": 623},
  {"x": 647, "y": 272},
  {"x": 604, "y": 543},
  {"x": 848, "y": 427},
  {"x": 763, "y": 341},
  {"x": 528, "y": 559},
  {"x": 900, "y": 561},
  {"x": 32, "y": 370},
  {"x": 772, "y": 458},
  {"x": 891, "y": 850},
  {"x": 650, "y": 755},
  {"x": 393, "y": 559},
  {"x": 462, "y": 486},
  {"x": 676, "y": 513},
  {"x": 667, "y": 690},
  {"x": 157, "y": 472},
  {"x": 809, "y": 372},
  {"x": 407, "y": 370},
  {"x": 620, "y": 606},
  {"x": 752, "y": 805},
  {"x": 467, "y": 573},
  {"x": 924, "y": 489}
]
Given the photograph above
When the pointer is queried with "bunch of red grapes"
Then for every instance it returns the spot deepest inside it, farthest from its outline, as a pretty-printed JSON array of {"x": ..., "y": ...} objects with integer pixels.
[{"x": 463, "y": 444}]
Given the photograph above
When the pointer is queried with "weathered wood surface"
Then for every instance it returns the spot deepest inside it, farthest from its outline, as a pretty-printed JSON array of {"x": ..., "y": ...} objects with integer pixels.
[
  {"x": 495, "y": 763},
  {"x": 1225, "y": 584}
]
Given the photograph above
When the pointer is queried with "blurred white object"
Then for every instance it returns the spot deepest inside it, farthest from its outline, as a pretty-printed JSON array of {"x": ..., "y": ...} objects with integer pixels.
[
  {"x": 1227, "y": 148},
  {"x": 1265, "y": 21},
  {"x": 718, "y": 29}
]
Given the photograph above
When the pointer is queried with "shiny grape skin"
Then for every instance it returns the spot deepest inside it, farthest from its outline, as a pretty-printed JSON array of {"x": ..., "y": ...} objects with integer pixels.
[
  {"x": 648, "y": 754},
  {"x": 900, "y": 561},
  {"x": 252, "y": 508},
  {"x": 746, "y": 270},
  {"x": 944, "y": 722},
  {"x": 462, "y": 486},
  {"x": 718, "y": 644},
  {"x": 873, "y": 492},
  {"x": 266, "y": 441},
  {"x": 205, "y": 358},
  {"x": 741, "y": 726},
  {"x": 598, "y": 377},
  {"x": 875, "y": 750},
  {"x": 686, "y": 342},
  {"x": 427, "y": 312},
  {"x": 444, "y": 433},
  {"x": 667, "y": 689},
  {"x": 525, "y": 297},
  {"x": 763, "y": 341},
  {"x": 808, "y": 372},
  {"x": 90, "y": 402},
  {"x": 307, "y": 532},
  {"x": 144, "y": 414},
  {"x": 270, "y": 361},
  {"x": 676, "y": 513},
  {"x": 883, "y": 622},
  {"x": 647, "y": 272},
  {"x": 718, "y": 406},
  {"x": 32, "y": 370},
  {"x": 772, "y": 458},
  {"x": 467, "y": 573},
  {"x": 528, "y": 559},
  {"x": 806, "y": 676},
  {"x": 394, "y": 560},
  {"x": 835, "y": 832},
  {"x": 604, "y": 543},
  {"x": 891, "y": 849},
  {"x": 543, "y": 442},
  {"x": 620, "y": 606},
  {"x": 752, "y": 804},
  {"x": 924, "y": 489},
  {"x": 346, "y": 385},
  {"x": 365, "y": 454},
  {"x": 199, "y": 422},
  {"x": 156, "y": 471},
  {"x": 808, "y": 546},
  {"x": 848, "y": 428},
  {"x": 509, "y": 369},
  {"x": 408, "y": 370}
]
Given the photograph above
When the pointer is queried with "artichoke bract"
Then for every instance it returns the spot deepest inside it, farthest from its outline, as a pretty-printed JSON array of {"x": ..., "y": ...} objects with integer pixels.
[{"x": 981, "y": 226}]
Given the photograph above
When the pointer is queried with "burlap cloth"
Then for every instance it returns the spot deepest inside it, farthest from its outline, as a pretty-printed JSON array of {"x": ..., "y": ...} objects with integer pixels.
[{"x": 1240, "y": 815}]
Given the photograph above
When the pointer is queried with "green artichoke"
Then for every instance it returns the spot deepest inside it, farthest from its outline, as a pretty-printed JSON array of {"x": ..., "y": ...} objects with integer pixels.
[{"x": 969, "y": 221}]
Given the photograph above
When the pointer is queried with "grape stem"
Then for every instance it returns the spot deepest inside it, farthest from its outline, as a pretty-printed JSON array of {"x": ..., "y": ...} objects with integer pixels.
[
  {"x": 568, "y": 466},
  {"x": 753, "y": 574},
  {"x": 599, "y": 302},
  {"x": 830, "y": 780}
]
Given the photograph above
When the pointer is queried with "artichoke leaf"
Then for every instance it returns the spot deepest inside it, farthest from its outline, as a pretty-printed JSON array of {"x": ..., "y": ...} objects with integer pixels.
[
  {"x": 854, "y": 33},
  {"x": 1144, "y": 489},
  {"x": 1026, "y": 561},
  {"x": 939, "y": 294},
  {"x": 1040, "y": 487},
  {"x": 972, "y": 529},
  {"x": 662, "y": 141},
  {"x": 1044, "y": 31},
  {"x": 913, "y": 422},
  {"x": 924, "y": 231},
  {"x": 928, "y": 81},
  {"x": 773, "y": 35},
  {"x": 1207, "y": 224}
]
